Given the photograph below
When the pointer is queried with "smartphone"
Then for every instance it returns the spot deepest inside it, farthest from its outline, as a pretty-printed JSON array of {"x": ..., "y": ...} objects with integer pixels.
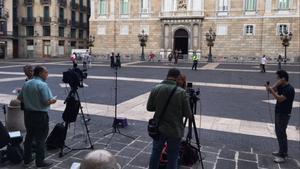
[{"x": 54, "y": 97}]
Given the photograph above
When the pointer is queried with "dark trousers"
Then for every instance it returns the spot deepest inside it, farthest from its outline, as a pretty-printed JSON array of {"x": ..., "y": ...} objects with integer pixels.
[
  {"x": 37, "y": 128},
  {"x": 281, "y": 123},
  {"x": 195, "y": 64},
  {"x": 263, "y": 68}
]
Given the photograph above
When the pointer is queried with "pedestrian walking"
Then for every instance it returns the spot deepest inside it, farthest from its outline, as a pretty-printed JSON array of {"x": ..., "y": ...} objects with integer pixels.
[
  {"x": 112, "y": 60},
  {"x": 85, "y": 60},
  {"x": 73, "y": 57},
  {"x": 37, "y": 98},
  {"x": 151, "y": 57},
  {"x": 284, "y": 94},
  {"x": 263, "y": 63},
  {"x": 279, "y": 60},
  {"x": 170, "y": 57},
  {"x": 171, "y": 127},
  {"x": 118, "y": 60},
  {"x": 28, "y": 71},
  {"x": 176, "y": 56},
  {"x": 195, "y": 59}
]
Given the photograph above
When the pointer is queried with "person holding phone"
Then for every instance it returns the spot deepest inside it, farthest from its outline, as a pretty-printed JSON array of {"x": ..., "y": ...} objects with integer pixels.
[
  {"x": 37, "y": 98},
  {"x": 284, "y": 94}
]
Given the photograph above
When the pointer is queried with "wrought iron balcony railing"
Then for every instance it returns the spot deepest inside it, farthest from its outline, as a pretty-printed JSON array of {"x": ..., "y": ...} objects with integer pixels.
[
  {"x": 45, "y": 2},
  {"x": 45, "y": 20},
  {"x": 28, "y": 20},
  {"x": 62, "y": 2},
  {"x": 28, "y": 2},
  {"x": 62, "y": 21},
  {"x": 188, "y": 14}
]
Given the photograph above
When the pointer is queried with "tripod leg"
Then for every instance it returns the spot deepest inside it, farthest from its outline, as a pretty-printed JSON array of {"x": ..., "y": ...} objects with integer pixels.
[{"x": 198, "y": 143}]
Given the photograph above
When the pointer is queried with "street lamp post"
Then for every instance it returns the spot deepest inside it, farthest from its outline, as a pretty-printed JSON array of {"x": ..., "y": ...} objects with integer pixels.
[
  {"x": 210, "y": 38},
  {"x": 285, "y": 37},
  {"x": 143, "y": 39},
  {"x": 91, "y": 42}
]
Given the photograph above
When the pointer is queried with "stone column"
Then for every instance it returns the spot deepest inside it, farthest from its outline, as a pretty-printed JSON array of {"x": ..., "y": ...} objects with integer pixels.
[{"x": 170, "y": 37}]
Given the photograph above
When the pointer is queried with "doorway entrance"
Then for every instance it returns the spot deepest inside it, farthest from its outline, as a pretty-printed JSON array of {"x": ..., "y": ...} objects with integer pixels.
[
  {"x": 2, "y": 50},
  {"x": 181, "y": 42},
  {"x": 46, "y": 48}
]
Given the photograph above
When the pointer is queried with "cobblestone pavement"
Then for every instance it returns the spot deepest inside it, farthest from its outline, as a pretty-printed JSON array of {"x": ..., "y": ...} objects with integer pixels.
[
  {"x": 220, "y": 147},
  {"x": 135, "y": 153}
]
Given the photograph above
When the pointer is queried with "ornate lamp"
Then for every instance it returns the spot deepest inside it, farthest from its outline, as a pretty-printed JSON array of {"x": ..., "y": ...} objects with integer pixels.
[
  {"x": 143, "y": 39},
  {"x": 210, "y": 38}
]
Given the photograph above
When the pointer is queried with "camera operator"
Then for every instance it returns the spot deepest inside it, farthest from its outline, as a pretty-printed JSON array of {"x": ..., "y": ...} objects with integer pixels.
[
  {"x": 284, "y": 93},
  {"x": 37, "y": 99},
  {"x": 171, "y": 127}
]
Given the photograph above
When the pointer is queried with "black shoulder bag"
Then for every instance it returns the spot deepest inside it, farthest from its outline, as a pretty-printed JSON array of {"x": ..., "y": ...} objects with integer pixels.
[{"x": 153, "y": 123}]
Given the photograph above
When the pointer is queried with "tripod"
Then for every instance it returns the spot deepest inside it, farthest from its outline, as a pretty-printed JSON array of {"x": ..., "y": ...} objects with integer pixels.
[
  {"x": 115, "y": 129},
  {"x": 192, "y": 125},
  {"x": 74, "y": 93}
]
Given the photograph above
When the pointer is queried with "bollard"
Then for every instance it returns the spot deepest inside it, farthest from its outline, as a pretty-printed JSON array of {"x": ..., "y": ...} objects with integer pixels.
[{"x": 15, "y": 116}]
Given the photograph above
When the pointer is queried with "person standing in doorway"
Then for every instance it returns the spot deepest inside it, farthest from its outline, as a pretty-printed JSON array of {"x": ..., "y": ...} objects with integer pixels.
[
  {"x": 284, "y": 93},
  {"x": 263, "y": 63}
]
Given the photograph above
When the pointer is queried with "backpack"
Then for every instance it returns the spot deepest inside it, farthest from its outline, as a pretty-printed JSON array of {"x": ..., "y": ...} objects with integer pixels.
[
  {"x": 71, "y": 110},
  {"x": 4, "y": 136},
  {"x": 189, "y": 154},
  {"x": 56, "y": 139},
  {"x": 15, "y": 153}
]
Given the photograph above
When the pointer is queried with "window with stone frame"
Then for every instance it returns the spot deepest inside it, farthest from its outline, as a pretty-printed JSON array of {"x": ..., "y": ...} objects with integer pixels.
[
  {"x": 145, "y": 6},
  {"x": 196, "y": 5},
  {"x": 250, "y": 5},
  {"x": 46, "y": 31},
  {"x": 284, "y": 4},
  {"x": 103, "y": 7},
  {"x": 29, "y": 31},
  {"x": 282, "y": 28},
  {"x": 223, "y": 5},
  {"x": 249, "y": 30},
  {"x": 168, "y": 5},
  {"x": 61, "y": 31},
  {"x": 124, "y": 7}
]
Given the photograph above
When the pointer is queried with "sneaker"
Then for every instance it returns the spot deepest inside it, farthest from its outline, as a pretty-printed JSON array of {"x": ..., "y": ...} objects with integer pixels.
[
  {"x": 27, "y": 163},
  {"x": 44, "y": 164},
  {"x": 277, "y": 154},
  {"x": 279, "y": 160}
]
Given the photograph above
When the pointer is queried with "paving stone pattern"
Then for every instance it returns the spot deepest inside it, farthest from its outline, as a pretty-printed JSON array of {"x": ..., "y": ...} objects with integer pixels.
[{"x": 135, "y": 153}]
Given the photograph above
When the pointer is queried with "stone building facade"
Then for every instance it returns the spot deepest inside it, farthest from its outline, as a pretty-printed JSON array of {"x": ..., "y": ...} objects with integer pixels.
[
  {"x": 48, "y": 28},
  {"x": 245, "y": 29},
  {"x": 6, "y": 29}
]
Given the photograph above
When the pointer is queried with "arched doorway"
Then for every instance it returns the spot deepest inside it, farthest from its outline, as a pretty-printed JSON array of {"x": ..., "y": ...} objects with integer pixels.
[{"x": 181, "y": 42}]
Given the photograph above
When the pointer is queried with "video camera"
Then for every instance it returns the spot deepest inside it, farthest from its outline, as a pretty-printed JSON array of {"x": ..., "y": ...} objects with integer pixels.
[
  {"x": 74, "y": 77},
  {"x": 193, "y": 94}
]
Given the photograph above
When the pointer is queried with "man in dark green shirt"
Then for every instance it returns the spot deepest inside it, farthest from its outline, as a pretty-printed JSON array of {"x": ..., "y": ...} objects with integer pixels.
[{"x": 171, "y": 125}]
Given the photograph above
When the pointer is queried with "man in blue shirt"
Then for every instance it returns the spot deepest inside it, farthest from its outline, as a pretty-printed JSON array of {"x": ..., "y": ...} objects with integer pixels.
[{"x": 37, "y": 98}]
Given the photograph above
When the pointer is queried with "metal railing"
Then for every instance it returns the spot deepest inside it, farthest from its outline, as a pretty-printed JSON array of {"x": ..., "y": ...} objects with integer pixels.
[
  {"x": 45, "y": 2},
  {"x": 62, "y": 3},
  {"x": 45, "y": 20},
  {"x": 28, "y": 2},
  {"x": 62, "y": 21},
  {"x": 181, "y": 14},
  {"x": 28, "y": 20}
]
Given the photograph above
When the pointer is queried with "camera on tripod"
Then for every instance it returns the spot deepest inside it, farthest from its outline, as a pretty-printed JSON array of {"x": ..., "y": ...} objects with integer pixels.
[
  {"x": 74, "y": 77},
  {"x": 193, "y": 94}
]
